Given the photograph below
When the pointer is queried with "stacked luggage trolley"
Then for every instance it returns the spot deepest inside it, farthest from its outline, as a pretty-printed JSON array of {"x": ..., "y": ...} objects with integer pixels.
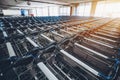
[{"x": 59, "y": 48}]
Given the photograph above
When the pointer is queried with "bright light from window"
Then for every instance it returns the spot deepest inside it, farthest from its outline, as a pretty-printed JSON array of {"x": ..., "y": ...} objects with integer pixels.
[
  {"x": 84, "y": 9},
  {"x": 53, "y": 11},
  {"x": 107, "y": 9},
  {"x": 64, "y": 11}
]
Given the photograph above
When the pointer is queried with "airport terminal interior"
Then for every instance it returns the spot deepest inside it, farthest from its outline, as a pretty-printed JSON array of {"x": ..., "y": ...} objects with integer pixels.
[{"x": 59, "y": 39}]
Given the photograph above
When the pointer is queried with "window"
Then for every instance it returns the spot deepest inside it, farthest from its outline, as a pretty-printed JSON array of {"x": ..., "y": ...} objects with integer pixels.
[
  {"x": 87, "y": 9},
  {"x": 39, "y": 11},
  {"x": 45, "y": 11},
  {"x": 64, "y": 11},
  {"x": 107, "y": 9},
  {"x": 100, "y": 8},
  {"x": 84, "y": 9},
  {"x": 53, "y": 11},
  {"x": 12, "y": 12},
  {"x": 80, "y": 9},
  {"x": 48, "y": 11},
  {"x": 42, "y": 11}
]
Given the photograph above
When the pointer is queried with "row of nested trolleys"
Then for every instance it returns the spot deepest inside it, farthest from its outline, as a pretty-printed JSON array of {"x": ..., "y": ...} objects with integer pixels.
[{"x": 59, "y": 48}]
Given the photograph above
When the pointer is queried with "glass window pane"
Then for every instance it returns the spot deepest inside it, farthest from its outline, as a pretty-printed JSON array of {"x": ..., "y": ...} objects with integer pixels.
[
  {"x": 107, "y": 9},
  {"x": 84, "y": 9}
]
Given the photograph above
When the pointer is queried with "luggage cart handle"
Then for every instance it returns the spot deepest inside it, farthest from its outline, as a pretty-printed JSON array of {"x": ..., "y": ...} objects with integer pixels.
[
  {"x": 47, "y": 38},
  {"x": 80, "y": 63},
  {"x": 32, "y": 42},
  {"x": 97, "y": 53},
  {"x": 46, "y": 71},
  {"x": 10, "y": 49}
]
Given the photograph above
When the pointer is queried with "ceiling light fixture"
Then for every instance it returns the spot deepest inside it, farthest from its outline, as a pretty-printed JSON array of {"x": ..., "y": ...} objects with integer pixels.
[{"x": 28, "y": 2}]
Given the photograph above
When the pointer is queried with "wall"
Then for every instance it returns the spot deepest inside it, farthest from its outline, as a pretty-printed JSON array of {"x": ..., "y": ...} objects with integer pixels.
[{"x": 14, "y": 12}]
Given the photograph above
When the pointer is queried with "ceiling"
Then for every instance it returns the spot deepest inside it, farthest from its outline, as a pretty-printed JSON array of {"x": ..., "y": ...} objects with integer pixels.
[
  {"x": 4, "y": 4},
  {"x": 73, "y": 1}
]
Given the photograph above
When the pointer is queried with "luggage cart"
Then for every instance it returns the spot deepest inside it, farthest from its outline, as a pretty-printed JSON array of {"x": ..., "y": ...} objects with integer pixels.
[
  {"x": 41, "y": 40},
  {"x": 23, "y": 44},
  {"x": 108, "y": 32},
  {"x": 90, "y": 62},
  {"x": 107, "y": 36},
  {"x": 96, "y": 47},
  {"x": 7, "y": 45},
  {"x": 66, "y": 69},
  {"x": 101, "y": 39},
  {"x": 13, "y": 68},
  {"x": 23, "y": 69}
]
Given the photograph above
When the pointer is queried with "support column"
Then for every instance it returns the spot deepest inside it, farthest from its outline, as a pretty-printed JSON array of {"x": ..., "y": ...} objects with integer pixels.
[
  {"x": 1, "y": 12},
  {"x": 73, "y": 9},
  {"x": 93, "y": 8}
]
